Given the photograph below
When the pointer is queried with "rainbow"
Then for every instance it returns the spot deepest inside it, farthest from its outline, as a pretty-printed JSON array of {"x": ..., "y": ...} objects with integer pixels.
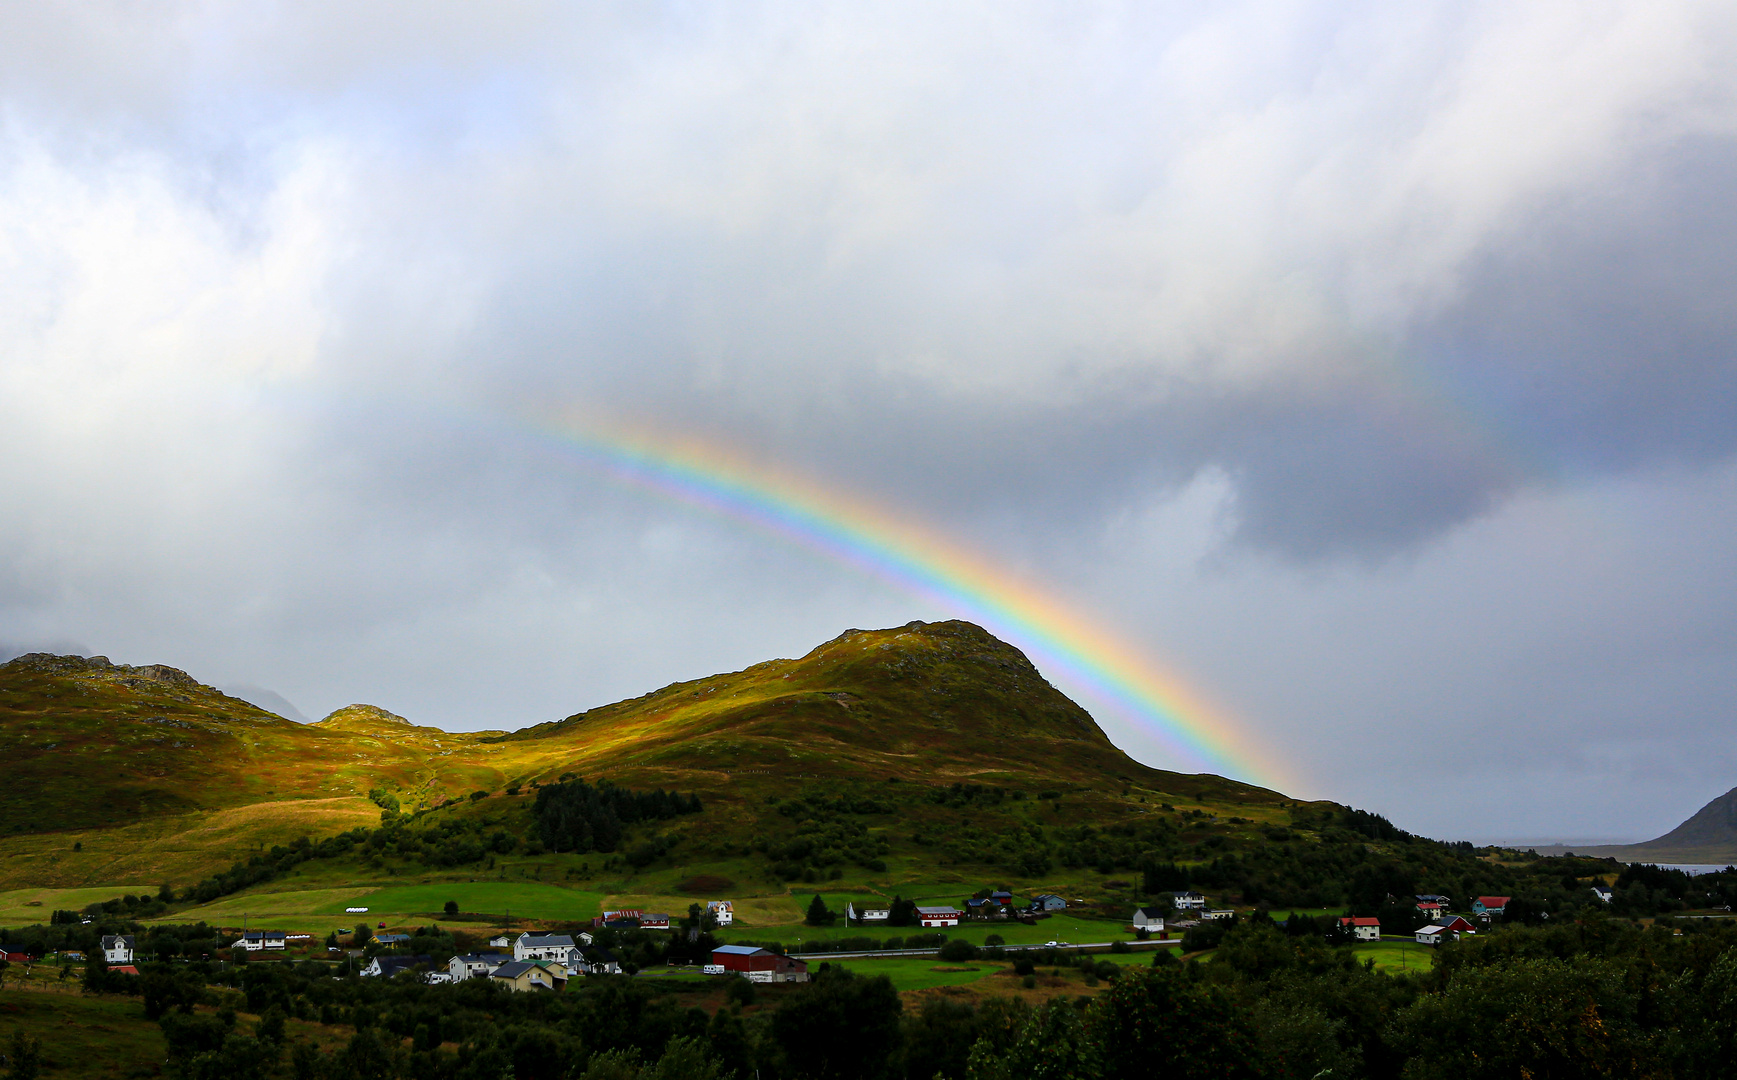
[{"x": 902, "y": 553}]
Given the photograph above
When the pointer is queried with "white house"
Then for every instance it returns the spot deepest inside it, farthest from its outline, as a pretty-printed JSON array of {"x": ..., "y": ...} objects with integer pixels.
[
  {"x": 388, "y": 966},
  {"x": 1363, "y": 929},
  {"x": 500, "y": 941},
  {"x": 1430, "y": 909},
  {"x": 723, "y": 912},
  {"x": 1046, "y": 902},
  {"x": 854, "y": 914},
  {"x": 1187, "y": 901},
  {"x": 938, "y": 916},
  {"x": 557, "y": 947},
  {"x": 1219, "y": 913},
  {"x": 1150, "y": 919},
  {"x": 1603, "y": 892},
  {"x": 257, "y": 940},
  {"x": 1436, "y": 933},
  {"x": 118, "y": 949},
  {"x": 470, "y": 965}
]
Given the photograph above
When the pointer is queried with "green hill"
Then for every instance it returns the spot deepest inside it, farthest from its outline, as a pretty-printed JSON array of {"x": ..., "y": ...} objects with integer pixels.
[{"x": 154, "y": 775}]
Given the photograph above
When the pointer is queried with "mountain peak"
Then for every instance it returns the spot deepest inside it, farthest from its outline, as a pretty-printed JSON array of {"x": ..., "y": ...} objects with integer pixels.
[{"x": 362, "y": 716}]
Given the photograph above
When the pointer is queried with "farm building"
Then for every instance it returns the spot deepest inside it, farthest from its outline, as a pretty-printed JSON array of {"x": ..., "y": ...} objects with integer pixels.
[
  {"x": 938, "y": 916},
  {"x": 759, "y": 965}
]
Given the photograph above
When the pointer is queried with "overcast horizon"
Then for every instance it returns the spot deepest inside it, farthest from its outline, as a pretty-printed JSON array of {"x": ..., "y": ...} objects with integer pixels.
[{"x": 1370, "y": 368}]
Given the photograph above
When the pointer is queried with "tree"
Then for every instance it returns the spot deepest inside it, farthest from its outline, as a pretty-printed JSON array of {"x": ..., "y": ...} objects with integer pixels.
[
  {"x": 819, "y": 914},
  {"x": 841, "y": 1026},
  {"x": 1544, "y": 1018},
  {"x": 23, "y": 1057},
  {"x": 452, "y": 907},
  {"x": 1158, "y": 1021},
  {"x": 1051, "y": 1044},
  {"x": 902, "y": 913}
]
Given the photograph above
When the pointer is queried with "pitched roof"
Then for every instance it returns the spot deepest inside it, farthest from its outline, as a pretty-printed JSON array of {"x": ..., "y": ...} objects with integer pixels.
[
  {"x": 512, "y": 969},
  {"x": 739, "y": 950},
  {"x": 937, "y": 910},
  {"x": 390, "y": 964},
  {"x": 111, "y": 940},
  {"x": 1150, "y": 912},
  {"x": 1494, "y": 901},
  {"x": 545, "y": 941},
  {"x": 1360, "y": 922}
]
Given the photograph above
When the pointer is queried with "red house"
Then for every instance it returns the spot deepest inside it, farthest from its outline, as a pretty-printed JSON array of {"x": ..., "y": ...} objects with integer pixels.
[
  {"x": 759, "y": 965},
  {"x": 1363, "y": 929}
]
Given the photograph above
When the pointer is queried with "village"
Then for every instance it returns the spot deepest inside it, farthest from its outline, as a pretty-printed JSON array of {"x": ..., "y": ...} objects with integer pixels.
[{"x": 538, "y": 960}]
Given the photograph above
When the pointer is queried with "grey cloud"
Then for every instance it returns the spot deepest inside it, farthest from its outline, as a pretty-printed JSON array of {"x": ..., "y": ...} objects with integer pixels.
[{"x": 1332, "y": 290}]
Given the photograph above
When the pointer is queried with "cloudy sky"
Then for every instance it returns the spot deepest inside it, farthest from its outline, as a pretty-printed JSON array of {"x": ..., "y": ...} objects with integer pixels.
[{"x": 1370, "y": 367}]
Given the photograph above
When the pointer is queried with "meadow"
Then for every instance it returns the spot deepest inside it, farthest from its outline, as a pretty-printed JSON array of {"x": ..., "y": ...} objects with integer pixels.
[{"x": 69, "y": 1024}]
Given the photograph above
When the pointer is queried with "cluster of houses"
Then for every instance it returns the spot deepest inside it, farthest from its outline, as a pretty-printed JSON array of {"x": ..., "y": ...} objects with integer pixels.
[
  {"x": 537, "y": 962},
  {"x": 1440, "y": 926},
  {"x": 997, "y": 905}
]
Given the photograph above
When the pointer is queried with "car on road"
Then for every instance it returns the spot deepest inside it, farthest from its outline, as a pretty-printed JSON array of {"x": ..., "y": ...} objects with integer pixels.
[{"x": 1052, "y": 944}]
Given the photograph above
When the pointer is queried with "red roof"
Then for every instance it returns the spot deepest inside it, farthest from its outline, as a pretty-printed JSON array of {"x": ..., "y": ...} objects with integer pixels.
[
  {"x": 1360, "y": 922},
  {"x": 1493, "y": 901},
  {"x": 124, "y": 969}
]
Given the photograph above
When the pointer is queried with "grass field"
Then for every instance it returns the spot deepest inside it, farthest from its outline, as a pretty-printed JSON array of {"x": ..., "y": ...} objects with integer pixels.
[
  {"x": 921, "y": 973},
  {"x": 522, "y": 899},
  {"x": 1056, "y": 928},
  {"x": 1395, "y": 956},
  {"x": 71, "y": 1024},
  {"x": 21, "y": 907}
]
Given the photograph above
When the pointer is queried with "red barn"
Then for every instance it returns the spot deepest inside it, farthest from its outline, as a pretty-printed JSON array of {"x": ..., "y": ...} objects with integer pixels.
[{"x": 759, "y": 965}]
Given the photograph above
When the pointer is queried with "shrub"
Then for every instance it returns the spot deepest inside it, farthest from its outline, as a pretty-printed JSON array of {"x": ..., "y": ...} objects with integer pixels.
[{"x": 958, "y": 950}]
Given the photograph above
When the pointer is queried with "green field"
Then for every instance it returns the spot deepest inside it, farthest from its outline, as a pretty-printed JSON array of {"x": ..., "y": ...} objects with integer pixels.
[
  {"x": 1056, "y": 928},
  {"x": 523, "y": 900},
  {"x": 1394, "y": 956},
  {"x": 21, "y": 907},
  {"x": 921, "y": 973}
]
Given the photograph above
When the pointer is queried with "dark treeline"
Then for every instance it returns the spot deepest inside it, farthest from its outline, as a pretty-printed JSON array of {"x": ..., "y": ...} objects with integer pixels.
[
  {"x": 579, "y": 817},
  {"x": 1590, "y": 998}
]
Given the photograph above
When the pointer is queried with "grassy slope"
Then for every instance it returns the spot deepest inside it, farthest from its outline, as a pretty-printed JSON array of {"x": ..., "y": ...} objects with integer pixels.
[{"x": 160, "y": 778}]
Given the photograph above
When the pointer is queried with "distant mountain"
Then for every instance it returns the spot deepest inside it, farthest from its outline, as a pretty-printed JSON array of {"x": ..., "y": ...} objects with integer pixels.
[
  {"x": 1709, "y": 837},
  {"x": 269, "y": 700}
]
